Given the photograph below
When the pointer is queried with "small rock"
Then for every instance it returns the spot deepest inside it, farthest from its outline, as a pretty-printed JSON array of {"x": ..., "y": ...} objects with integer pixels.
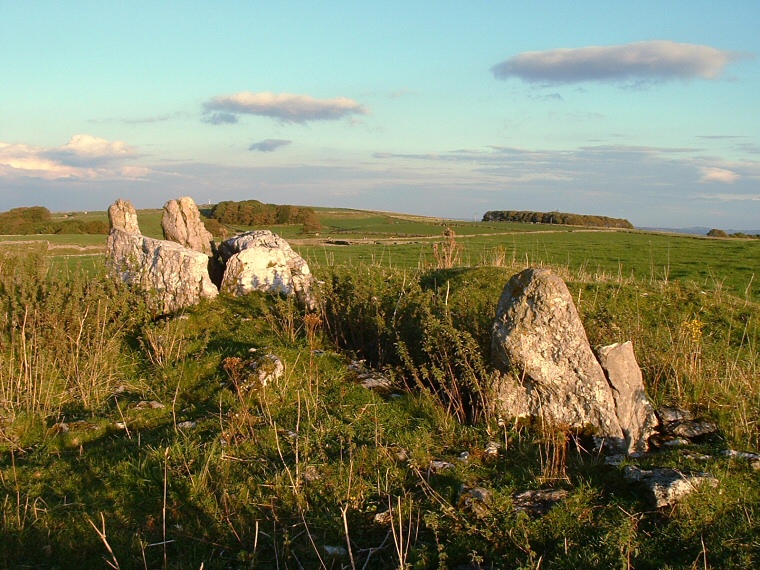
[
  {"x": 384, "y": 518},
  {"x": 614, "y": 460},
  {"x": 335, "y": 551},
  {"x": 691, "y": 429},
  {"x": 670, "y": 414},
  {"x": 464, "y": 456},
  {"x": 475, "y": 499},
  {"x": 186, "y": 425},
  {"x": 268, "y": 369},
  {"x": 310, "y": 474},
  {"x": 677, "y": 442},
  {"x": 437, "y": 465},
  {"x": 402, "y": 455},
  {"x": 753, "y": 458},
  {"x": 60, "y": 427},
  {"x": 665, "y": 486},
  {"x": 491, "y": 450},
  {"x": 145, "y": 405},
  {"x": 538, "y": 502}
]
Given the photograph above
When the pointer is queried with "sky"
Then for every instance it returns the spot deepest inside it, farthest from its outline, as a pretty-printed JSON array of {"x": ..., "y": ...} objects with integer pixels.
[{"x": 648, "y": 111}]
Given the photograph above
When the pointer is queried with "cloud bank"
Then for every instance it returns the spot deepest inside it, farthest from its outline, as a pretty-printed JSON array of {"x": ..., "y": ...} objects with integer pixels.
[
  {"x": 84, "y": 156},
  {"x": 285, "y": 107},
  {"x": 655, "y": 61},
  {"x": 269, "y": 145}
]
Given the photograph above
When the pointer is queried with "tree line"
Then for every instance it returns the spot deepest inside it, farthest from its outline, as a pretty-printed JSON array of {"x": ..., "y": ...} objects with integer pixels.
[
  {"x": 556, "y": 218},
  {"x": 38, "y": 220},
  {"x": 255, "y": 213}
]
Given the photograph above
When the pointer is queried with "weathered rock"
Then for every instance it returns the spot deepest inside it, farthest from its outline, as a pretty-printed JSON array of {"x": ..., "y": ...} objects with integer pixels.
[
  {"x": 181, "y": 222},
  {"x": 268, "y": 369},
  {"x": 122, "y": 215},
  {"x": 538, "y": 502},
  {"x": 752, "y": 458},
  {"x": 173, "y": 276},
  {"x": 634, "y": 411},
  {"x": 548, "y": 368},
  {"x": 262, "y": 261},
  {"x": 475, "y": 500},
  {"x": 670, "y": 414},
  {"x": 665, "y": 486},
  {"x": 692, "y": 429}
]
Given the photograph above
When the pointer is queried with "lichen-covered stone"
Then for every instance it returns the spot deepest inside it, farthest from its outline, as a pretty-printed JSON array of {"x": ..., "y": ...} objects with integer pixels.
[
  {"x": 262, "y": 261},
  {"x": 173, "y": 276},
  {"x": 548, "y": 368}
]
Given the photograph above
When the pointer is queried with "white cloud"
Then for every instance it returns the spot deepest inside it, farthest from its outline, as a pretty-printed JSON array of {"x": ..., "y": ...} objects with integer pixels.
[
  {"x": 656, "y": 60},
  {"x": 84, "y": 156},
  {"x": 713, "y": 174},
  {"x": 285, "y": 107}
]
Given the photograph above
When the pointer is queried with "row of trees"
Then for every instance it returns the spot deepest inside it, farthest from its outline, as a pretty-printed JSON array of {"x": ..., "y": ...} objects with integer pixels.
[
  {"x": 38, "y": 220},
  {"x": 255, "y": 213},
  {"x": 556, "y": 218}
]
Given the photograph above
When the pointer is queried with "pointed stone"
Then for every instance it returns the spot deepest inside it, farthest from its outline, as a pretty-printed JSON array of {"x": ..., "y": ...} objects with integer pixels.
[{"x": 548, "y": 368}]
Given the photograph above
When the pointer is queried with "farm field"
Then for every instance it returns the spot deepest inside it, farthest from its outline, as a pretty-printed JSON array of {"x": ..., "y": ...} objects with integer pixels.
[{"x": 129, "y": 441}]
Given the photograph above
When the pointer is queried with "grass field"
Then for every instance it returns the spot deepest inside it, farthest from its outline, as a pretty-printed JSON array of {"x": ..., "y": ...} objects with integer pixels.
[{"x": 133, "y": 442}]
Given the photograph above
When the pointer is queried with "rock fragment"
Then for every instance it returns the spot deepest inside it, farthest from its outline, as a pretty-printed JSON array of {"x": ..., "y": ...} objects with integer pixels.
[
  {"x": 634, "y": 411},
  {"x": 664, "y": 486}
]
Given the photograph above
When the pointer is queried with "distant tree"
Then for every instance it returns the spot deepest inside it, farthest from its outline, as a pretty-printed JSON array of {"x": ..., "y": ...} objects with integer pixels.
[
  {"x": 308, "y": 218},
  {"x": 717, "y": 233}
]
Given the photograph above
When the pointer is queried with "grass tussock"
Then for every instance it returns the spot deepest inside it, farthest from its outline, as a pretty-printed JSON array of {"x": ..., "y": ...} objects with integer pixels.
[{"x": 140, "y": 443}]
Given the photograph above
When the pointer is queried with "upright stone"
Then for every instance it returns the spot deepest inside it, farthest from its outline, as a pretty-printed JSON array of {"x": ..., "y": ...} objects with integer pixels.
[
  {"x": 634, "y": 411},
  {"x": 548, "y": 368},
  {"x": 262, "y": 261},
  {"x": 122, "y": 215},
  {"x": 181, "y": 222}
]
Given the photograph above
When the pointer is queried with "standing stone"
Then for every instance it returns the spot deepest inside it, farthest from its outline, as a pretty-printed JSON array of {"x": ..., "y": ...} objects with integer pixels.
[
  {"x": 548, "y": 368},
  {"x": 181, "y": 222},
  {"x": 262, "y": 261},
  {"x": 634, "y": 411},
  {"x": 173, "y": 276},
  {"x": 122, "y": 215}
]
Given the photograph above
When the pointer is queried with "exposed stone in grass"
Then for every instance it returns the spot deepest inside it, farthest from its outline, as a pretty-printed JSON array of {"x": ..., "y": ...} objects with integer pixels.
[
  {"x": 634, "y": 411},
  {"x": 263, "y": 261},
  {"x": 475, "y": 500},
  {"x": 752, "y": 458},
  {"x": 371, "y": 379},
  {"x": 538, "y": 502},
  {"x": 548, "y": 368},
  {"x": 181, "y": 223},
  {"x": 664, "y": 486}
]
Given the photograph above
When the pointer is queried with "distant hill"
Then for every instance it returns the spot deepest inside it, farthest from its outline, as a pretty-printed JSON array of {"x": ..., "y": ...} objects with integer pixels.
[{"x": 556, "y": 218}]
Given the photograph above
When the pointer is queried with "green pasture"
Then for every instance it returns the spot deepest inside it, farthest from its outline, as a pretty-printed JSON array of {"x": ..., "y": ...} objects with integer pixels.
[{"x": 400, "y": 241}]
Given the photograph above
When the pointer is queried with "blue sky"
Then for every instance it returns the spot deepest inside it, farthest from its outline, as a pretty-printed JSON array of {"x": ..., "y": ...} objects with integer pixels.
[{"x": 643, "y": 110}]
